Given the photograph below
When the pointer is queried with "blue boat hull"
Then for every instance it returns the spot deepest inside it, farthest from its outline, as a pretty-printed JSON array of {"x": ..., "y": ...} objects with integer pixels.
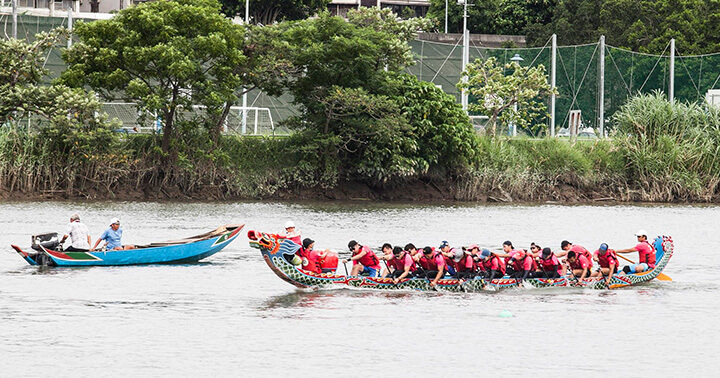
[{"x": 170, "y": 254}]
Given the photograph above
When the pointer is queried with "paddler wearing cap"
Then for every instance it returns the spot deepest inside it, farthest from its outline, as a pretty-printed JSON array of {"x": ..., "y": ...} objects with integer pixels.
[
  {"x": 608, "y": 262},
  {"x": 312, "y": 259},
  {"x": 112, "y": 236},
  {"x": 646, "y": 252},
  {"x": 491, "y": 265},
  {"x": 548, "y": 264},
  {"x": 464, "y": 263},
  {"x": 291, "y": 233},
  {"x": 448, "y": 254},
  {"x": 364, "y": 260}
]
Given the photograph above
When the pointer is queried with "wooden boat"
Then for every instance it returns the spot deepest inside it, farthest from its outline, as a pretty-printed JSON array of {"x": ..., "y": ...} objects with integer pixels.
[
  {"x": 279, "y": 252},
  {"x": 186, "y": 250}
]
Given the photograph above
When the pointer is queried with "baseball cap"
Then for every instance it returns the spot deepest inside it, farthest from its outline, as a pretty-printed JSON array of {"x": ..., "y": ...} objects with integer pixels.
[
  {"x": 641, "y": 232},
  {"x": 114, "y": 221},
  {"x": 444, "y": 244}
]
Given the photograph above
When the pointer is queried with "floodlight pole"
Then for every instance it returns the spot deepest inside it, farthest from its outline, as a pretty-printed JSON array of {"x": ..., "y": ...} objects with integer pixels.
[
  {"x": 14, "y": 17},
  {"x": 446, "y": 15},
  {"x": 465, "y": 56},
  {"x": 601, "y": 85},
  {"x": 671, "y": 90},
  {"x": 70, "y": 25},
  {"x": 244, "y": 112},
  {"x": 553, "y": 70}
]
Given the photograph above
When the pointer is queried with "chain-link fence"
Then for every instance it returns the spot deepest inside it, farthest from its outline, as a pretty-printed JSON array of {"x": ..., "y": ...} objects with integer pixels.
[{"x": 626, "y": 73}]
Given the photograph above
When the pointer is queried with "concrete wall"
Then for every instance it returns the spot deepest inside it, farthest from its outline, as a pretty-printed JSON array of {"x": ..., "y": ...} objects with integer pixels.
[{"x": 482, "y": 40}]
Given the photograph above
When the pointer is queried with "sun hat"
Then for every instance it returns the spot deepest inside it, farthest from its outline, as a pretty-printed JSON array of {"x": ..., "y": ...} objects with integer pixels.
[
  {"x": 289, "y": 224},
  {"x": 472, "y": 246}
]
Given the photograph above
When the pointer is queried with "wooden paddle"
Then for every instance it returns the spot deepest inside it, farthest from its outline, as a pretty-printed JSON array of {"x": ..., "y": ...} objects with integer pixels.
[{"x": 660, "y": 277}]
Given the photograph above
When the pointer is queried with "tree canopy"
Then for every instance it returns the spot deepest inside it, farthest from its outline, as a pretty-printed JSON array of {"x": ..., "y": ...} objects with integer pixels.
[{"x": 267, "y": 12}]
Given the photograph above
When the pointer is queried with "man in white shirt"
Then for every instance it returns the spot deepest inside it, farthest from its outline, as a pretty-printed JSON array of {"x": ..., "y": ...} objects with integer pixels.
[{"x": 79, "y": 235}]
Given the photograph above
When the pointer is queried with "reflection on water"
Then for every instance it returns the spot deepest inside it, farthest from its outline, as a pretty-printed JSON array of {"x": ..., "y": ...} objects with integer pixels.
[{"x": 231, "y": 314}]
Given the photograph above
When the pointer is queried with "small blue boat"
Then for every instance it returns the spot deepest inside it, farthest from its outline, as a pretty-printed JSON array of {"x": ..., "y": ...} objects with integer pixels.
[{"x": 181, "y": 251}]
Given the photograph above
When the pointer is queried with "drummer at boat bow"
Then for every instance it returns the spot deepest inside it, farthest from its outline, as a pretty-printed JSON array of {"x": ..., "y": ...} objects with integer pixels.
[
  {"x": 646, "y": 252},
  {"x": 79, "y": 235},
  {"x": 112, "y": 237},
  {"x": 364, "y": 260}
]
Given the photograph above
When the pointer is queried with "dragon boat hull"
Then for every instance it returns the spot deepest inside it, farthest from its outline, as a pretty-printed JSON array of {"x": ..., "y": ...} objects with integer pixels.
[
  {"x": 278, "y": 252},
  {"x": 182, "y": 251}
]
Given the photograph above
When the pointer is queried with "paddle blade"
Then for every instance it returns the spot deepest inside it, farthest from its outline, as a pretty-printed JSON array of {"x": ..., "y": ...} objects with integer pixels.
[{"x": 663, "y": 277}]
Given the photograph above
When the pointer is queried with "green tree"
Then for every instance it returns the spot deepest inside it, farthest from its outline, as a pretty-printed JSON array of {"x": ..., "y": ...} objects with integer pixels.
[
  {"x": 74, "y": 125},
  {"x": 500, "y": 88},
  {"x": 164, "y": 56},
  {"x": 267, "y": 12}
]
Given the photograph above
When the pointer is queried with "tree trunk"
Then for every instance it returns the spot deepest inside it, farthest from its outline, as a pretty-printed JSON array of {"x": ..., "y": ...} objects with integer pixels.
[{"x": 167, "y": 134}]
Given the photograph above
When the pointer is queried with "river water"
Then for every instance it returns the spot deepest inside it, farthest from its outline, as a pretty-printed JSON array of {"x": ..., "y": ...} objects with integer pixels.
[{"x": 230, "y": 315}]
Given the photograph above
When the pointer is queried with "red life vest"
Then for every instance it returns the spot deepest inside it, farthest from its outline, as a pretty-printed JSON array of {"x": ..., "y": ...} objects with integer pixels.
[
  {"x": 311, "y": 261},
  {"x": 429, "y": 263},
  {"x": 519, "y": 264},
  {"x": 580, "y": 250},
  {"x": 608, "y": 258},
  {"x": 461, "y": 266},
  {"x": 369, "y": 260},
  {"x": 551, "y": 263},
  {"x": 399, "y": 264},
  {"x": 648, "y": 257},
  {"x": 487, "y": 264}
]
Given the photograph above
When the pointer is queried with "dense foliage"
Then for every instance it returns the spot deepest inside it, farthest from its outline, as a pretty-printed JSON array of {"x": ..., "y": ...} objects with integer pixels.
[
  {"x": 645, "y": 25},
  {"x": 267, "y": 12}
]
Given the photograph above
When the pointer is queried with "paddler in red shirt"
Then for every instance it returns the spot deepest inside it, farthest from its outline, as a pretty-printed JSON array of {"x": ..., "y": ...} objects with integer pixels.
[
  {"x": 463, "y": 261},
  {"x": 491, "y": 265},
  {"x": 433, "y": 264},
  {"x": 364, "y": 260},
  {"x": 646, "y": 252},
  {"x": 387, "y": 250},
  {"x": 403, "y": 263},
  {"x": 608, "y": 262},
  {"x": 548, "y": 265},
  {"x": 521, "y": 265},
  {"x": 568, "y": 247},
  {"x": 312, "y": 259},
  {"x": 579, "y": 265}
]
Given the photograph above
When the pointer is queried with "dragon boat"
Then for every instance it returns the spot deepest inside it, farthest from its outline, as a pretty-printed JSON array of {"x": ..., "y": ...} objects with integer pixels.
[
  {"x": 46, "y": 250},
  {"x": 279, "y": 254}
]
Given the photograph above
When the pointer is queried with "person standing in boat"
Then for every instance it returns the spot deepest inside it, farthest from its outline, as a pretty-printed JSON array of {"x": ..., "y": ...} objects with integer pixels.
[
  {"x": 645, "y": 251},
  {"x": 404, "y": 265},
  {"x": 608, "y": 262},
  {"x": 579, "y": 265},
  {"x": 79, "y": 235},
  {"x": 291, "y": 233},
  {"x": 491, "y": 265},
  {"x": 364, "y": 260},
  {"x": 433, "y": 265},
  {"x": 548, "y": 265},
  {"x": 112, "y": 237}
]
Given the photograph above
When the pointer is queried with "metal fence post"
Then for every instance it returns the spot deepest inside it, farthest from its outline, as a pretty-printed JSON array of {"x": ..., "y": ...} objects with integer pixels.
[
  {"x": 601, "y": 88},
  {"x": 553, "y": 63}
]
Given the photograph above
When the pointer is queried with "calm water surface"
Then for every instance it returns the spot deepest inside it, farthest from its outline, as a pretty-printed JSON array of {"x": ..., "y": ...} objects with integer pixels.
[{"x": 230, "y": 315}]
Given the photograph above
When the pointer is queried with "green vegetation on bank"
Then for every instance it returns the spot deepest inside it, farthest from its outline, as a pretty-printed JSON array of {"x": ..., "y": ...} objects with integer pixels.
[{"x": 364, "y": 123}]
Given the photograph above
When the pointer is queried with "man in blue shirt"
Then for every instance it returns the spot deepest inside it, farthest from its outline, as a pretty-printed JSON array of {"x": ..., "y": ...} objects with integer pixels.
[{"x": 112, "y": 237}]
